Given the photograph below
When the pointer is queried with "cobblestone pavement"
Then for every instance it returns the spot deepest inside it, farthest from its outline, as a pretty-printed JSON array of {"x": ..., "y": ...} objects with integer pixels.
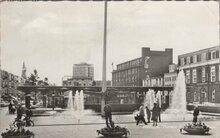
[{"x": 65, "y": 127}]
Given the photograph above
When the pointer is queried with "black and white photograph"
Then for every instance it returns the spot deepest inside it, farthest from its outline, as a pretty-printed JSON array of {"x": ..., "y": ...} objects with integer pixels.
[{"x": 109, "y": 69}]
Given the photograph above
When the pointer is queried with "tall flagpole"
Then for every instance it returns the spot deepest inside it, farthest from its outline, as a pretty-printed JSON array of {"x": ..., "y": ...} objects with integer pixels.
[{"x": 104, "y": 57}]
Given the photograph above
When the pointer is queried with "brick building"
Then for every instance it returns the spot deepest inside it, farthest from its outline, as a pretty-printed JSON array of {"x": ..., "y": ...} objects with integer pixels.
[
  {"x": 150, "y": 64},
  {"x": 202, "y": 71}
]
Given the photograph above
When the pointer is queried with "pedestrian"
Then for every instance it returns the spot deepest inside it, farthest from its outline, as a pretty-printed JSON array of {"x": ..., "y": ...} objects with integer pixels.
[
  {"x": 108, "y": 115},
  {"x": 19, "y": 112},
  {"x": 10, "y": 107},
  {"x": 159, "y": 111},
  {"x": 148, "y": 114},
  {"x": 28, "y": 116},
  {"x": 195, "y": 114},
  {"x": 141, "y": 115},
  {"x": 154, "y": 114}
]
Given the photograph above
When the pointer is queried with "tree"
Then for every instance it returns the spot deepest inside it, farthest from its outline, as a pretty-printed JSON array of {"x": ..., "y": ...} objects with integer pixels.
[{"x": 33, "y": 79}]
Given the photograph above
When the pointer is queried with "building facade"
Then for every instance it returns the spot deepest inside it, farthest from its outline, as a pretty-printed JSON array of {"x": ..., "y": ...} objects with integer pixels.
[
  {"x": 70, "y": 81},
  {"x": 150, "y": 64},
  {"x": 83, "y": 75},
  {"x": 170, "y": 77},
  {"x": 154, "y": 82},
  {"x": 99, "y": 83},
  {"x": 9, "y": 83},
  {"x": 83, "y": 70},
  {"x": 202, "y": 71}
]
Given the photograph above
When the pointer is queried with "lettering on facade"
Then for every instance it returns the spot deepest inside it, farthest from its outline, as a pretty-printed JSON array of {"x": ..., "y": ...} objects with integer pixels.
[{"x": 146, "y": 65}]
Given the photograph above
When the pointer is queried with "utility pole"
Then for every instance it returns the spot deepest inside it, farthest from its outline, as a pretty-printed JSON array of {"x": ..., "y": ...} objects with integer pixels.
[{"x": 104, "y": 57}]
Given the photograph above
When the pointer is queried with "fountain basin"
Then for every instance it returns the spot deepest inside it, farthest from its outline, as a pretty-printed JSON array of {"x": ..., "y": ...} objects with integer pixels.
[
  {"x": 116, "y": 132},
  {"x": 196, "y": 129}
]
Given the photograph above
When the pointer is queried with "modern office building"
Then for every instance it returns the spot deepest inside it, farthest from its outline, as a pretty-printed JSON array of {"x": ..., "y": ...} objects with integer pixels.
[
  {"x": 83, "y": 70},
  {"x": 83, "y": 75},
  {"x": 202, "y": 71},
  {"x": 149, "y": 64}
]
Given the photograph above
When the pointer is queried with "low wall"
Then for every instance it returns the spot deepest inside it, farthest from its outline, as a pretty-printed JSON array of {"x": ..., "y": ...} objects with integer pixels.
[
  {"x": 203, "y": 108},
  {"x": 116, "y": 107}
]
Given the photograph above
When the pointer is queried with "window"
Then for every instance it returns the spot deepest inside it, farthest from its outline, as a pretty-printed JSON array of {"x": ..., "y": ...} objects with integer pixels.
[
  {"x": 194, "y": 76},
  {"x": 188, "y": 76},
  {"x": 195, "y": 96},
  {"x": 213, "y": 96},
  {"x": 182, "y": 62},
  {"x": 203, "y": 74},
  {"x": 213, "y": 75},
  {"x": 213, "y": 54},
  {"x": 208, "y": 55},
  {"x": 198, "y": 58},
  {"x": 188, "y": 60},
  {"x": 203, "y": 56},
  {"x": 194, "y": 59}
]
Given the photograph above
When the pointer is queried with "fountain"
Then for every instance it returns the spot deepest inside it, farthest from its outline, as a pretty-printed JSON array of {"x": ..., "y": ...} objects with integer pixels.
[
  {"x": 178, "y": 100},
  {"x": 149, "y": 99}
]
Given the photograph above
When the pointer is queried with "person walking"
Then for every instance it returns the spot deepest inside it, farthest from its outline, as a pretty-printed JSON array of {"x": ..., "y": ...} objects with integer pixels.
[
  {"x": 154, "y": 114},
  {"x": 19, "y": 112},
  {"x": 148, "y": 114},
  {"x": 159, "y": 111},
  {"x": 195, "y": 114},
  {"x": 141, "y": 115},
  {"x": 10, "y": 107},
  {"x": 108, "y": 115}
]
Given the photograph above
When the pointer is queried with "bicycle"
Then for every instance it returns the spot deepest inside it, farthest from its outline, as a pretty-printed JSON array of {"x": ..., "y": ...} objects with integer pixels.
[{"x": 23, "y": 122}]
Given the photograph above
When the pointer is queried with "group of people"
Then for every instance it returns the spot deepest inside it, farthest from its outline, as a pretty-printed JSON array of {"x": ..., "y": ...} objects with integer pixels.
[
  {"x": 20, "y": 111},
  {"x": 154, "y": 116}
]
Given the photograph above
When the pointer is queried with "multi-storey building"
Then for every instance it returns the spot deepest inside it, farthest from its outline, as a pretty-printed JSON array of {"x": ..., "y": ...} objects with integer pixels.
[
  {"x": 170, "y": 77},
  {"x": 150, "y": 64},
  {"x": 83, "y": 70},
  {"x": 9, "y": 83},
  {"x": 202, "y": 71},
  {"x": 83, "y": 75}
]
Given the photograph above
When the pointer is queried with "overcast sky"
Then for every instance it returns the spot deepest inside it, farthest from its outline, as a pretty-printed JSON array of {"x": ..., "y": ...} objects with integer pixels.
[{"x": 52, "y": 36}]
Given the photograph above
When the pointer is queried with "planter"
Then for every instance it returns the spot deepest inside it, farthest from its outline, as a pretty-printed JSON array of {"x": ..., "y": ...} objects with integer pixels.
[
  {"x": 116, "y": 132},
  {"x": 113, "y": 134},
  {"x": 197, "y": 129},
  {"x": 26, "y": 136}
]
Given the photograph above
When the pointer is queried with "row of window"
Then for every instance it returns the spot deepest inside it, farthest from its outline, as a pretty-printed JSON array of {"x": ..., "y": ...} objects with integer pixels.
[
  {"x": 169, "y": 79},
  {"x": 203, "y": 96},
  {"x": 203, "y": 75},
  {"x": 198, "y": 58},
  {"x": 127, "y": 79},
  {"x": 125, "y": 73},
  {"x": 129, "y": 64}
]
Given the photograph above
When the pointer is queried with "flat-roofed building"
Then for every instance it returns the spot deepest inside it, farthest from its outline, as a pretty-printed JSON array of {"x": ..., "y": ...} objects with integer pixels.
[{"x": 202, "y": 71}]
